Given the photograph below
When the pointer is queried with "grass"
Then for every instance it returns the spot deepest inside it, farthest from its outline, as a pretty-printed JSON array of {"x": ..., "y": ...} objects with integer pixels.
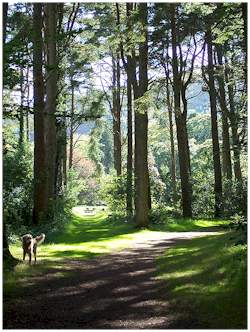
[
  {"x": 190, "y": 225},
  {"x": 85, "y": 237},
  {"x": 209, "y": 276}
]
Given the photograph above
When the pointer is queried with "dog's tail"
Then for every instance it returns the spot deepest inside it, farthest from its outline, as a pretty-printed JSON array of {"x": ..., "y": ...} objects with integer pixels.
[{"x": 40, "y": 238}]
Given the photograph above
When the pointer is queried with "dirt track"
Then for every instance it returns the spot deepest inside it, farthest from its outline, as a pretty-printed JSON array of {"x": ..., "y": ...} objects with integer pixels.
[{"x": 116, "y": 291}]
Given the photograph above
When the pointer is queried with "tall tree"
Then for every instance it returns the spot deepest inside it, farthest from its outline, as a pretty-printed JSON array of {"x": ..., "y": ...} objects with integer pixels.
[
  {"x": 214, "y": 124},
  {"x": 140, "y": 88},
  {"x": 226, "y": 154},
  {"x": 180, "y": 119},
  {"x": 244, "y": 16},
  {"x": 116, "y": 112},
  {"x": 40, "y": 174},
  {"x": 234, "y": 124},
  {"x": 129, "y": 183},
  {"x": 51, "y": 97},
  {"x": 7, "y": 256},
  {"x": 71, "y": 129},
  {"x": 141, "y": 127}
]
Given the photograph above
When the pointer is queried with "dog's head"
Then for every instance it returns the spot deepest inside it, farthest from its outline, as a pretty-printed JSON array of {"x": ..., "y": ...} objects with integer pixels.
[{"x": 26, "y": 239}]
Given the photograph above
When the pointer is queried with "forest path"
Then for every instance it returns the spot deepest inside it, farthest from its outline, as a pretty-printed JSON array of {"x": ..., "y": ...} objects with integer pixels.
[{"x": 115, "y": 291}]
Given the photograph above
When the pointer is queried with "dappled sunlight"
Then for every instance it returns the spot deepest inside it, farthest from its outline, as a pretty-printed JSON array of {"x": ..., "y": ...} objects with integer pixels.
[
  {"x": 202, "y": 273},
  {"x": 87, "y": 236},
  {"x": 124, "y": 279}
]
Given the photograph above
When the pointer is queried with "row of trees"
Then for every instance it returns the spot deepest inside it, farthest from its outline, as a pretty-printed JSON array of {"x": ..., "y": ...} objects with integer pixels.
[
  {"x": 188, "y": 42},
  {"x": 68, "y": 63}
]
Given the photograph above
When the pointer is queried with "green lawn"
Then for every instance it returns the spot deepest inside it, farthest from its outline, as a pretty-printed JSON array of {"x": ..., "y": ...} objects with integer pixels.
[
  {"x": 88, "y": 235},
  {"x": 207, "y": 273},
  {"x": 209, "y": 276}
]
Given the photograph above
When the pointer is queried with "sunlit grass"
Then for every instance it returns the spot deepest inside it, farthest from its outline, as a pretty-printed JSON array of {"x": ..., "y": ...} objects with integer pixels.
[
  {"x": 189, "y": 225},
  {"x": 209, "y": 276},
  {"x": 89, "y": 235}
]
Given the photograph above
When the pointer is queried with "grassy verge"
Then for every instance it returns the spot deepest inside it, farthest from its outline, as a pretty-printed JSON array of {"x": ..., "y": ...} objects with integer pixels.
[{"x": 209, "y": 276}]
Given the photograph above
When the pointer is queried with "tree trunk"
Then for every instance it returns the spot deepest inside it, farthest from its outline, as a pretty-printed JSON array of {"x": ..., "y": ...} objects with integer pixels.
[
  {"x": 71, "y": 133},
  {"x": 51, "y": 94},
  {"x": 5, "y": 15},
  {"x": 40, "y": 189},
  {"x": 141, "y": 131},
  {"x": 116, "y": 114},
  {"x": 64, "y": 155},
  {"x": 173, "y": 166},
  {"x": 180, "y": 119},
  {"x": 171, "y": 132},
  {"x": 28, "y": 105},
  {"x": 21, "y": 115},
  {"x": 214, "y": 125},
  {"x": 142, "y": 193},
  {"x": 226, "y": 155},
  {"x": 129, "y": 184},
  {"x": 244, "y": 16},
  {"x": 60, "y": 157},
  {"x": 234, "y": 127},
  {"x": 7, "y": 256},
  {"x": 184, "y": 102}
]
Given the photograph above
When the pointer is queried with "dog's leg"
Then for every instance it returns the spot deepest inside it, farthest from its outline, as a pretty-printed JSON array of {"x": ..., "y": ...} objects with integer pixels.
[
  {"x": 34, "y": 251},
  {"x": 24, "y": 254},
  {"x": 29, "y": 257}
]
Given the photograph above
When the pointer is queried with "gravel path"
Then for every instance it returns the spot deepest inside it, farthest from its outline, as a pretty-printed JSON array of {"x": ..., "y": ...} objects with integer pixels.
[{"x": 115, "y": 291}]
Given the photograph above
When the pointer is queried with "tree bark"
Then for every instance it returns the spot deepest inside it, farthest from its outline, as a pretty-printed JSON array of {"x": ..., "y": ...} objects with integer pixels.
[
  {"x": 142, "y": 192},
  {"x": 60, "y": 156},
  {"x": 21, "y": 115},
  {"x": 5, "y": 15},
  {"x": 116, "y": 114},
  {"x": 234, "y": 128},
  {"x": 214, "y": 125},
  {"x": 180, "y": 119},
  {"x": 226, "y": 155},
  {"x": 7, "y": 256},
  {"x": 71, "y": 133},
  {"x": 129, "y": 183},
  {"x": 51, "y": 96},
  {"x": 173, "y": 163},
  {"x": 40, "y": 178},
  {"x": 244, "y": 16},
  {"x": 28, "y": 105},
  {"x": 171, "y": 131},
  {"x": 141, "y": 131}
]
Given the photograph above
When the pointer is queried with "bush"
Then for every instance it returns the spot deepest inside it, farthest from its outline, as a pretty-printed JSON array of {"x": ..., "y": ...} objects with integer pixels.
[
  {"x": 113, "y": 193},
  {"x": 159, "y": 213},
  {"x": 235, "y": 198},
  {"x": 75, "y": 185},
  {"x": 239, "y": 225},
  {"x": 17, "y": 186},
  {"x": 203, "y": 196}
]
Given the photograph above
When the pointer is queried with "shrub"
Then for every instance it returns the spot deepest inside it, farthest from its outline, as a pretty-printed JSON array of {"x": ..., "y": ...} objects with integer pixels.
[{"x": 113, "y": 193}]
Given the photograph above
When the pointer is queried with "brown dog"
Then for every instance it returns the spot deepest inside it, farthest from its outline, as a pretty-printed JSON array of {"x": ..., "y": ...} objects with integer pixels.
[{"x": 30, "y": 244}]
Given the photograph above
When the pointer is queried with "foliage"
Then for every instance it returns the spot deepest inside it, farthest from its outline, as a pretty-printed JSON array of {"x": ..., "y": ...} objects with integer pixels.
[
  {"x": 113, "y": 193},
  {"x": 94, "y": 148},
  {"x": 75, "y": 185},
  {"x": 17, "y": 180},
  {"x": 239, "y": 225},
  {"x": 235, "y": 198}
]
